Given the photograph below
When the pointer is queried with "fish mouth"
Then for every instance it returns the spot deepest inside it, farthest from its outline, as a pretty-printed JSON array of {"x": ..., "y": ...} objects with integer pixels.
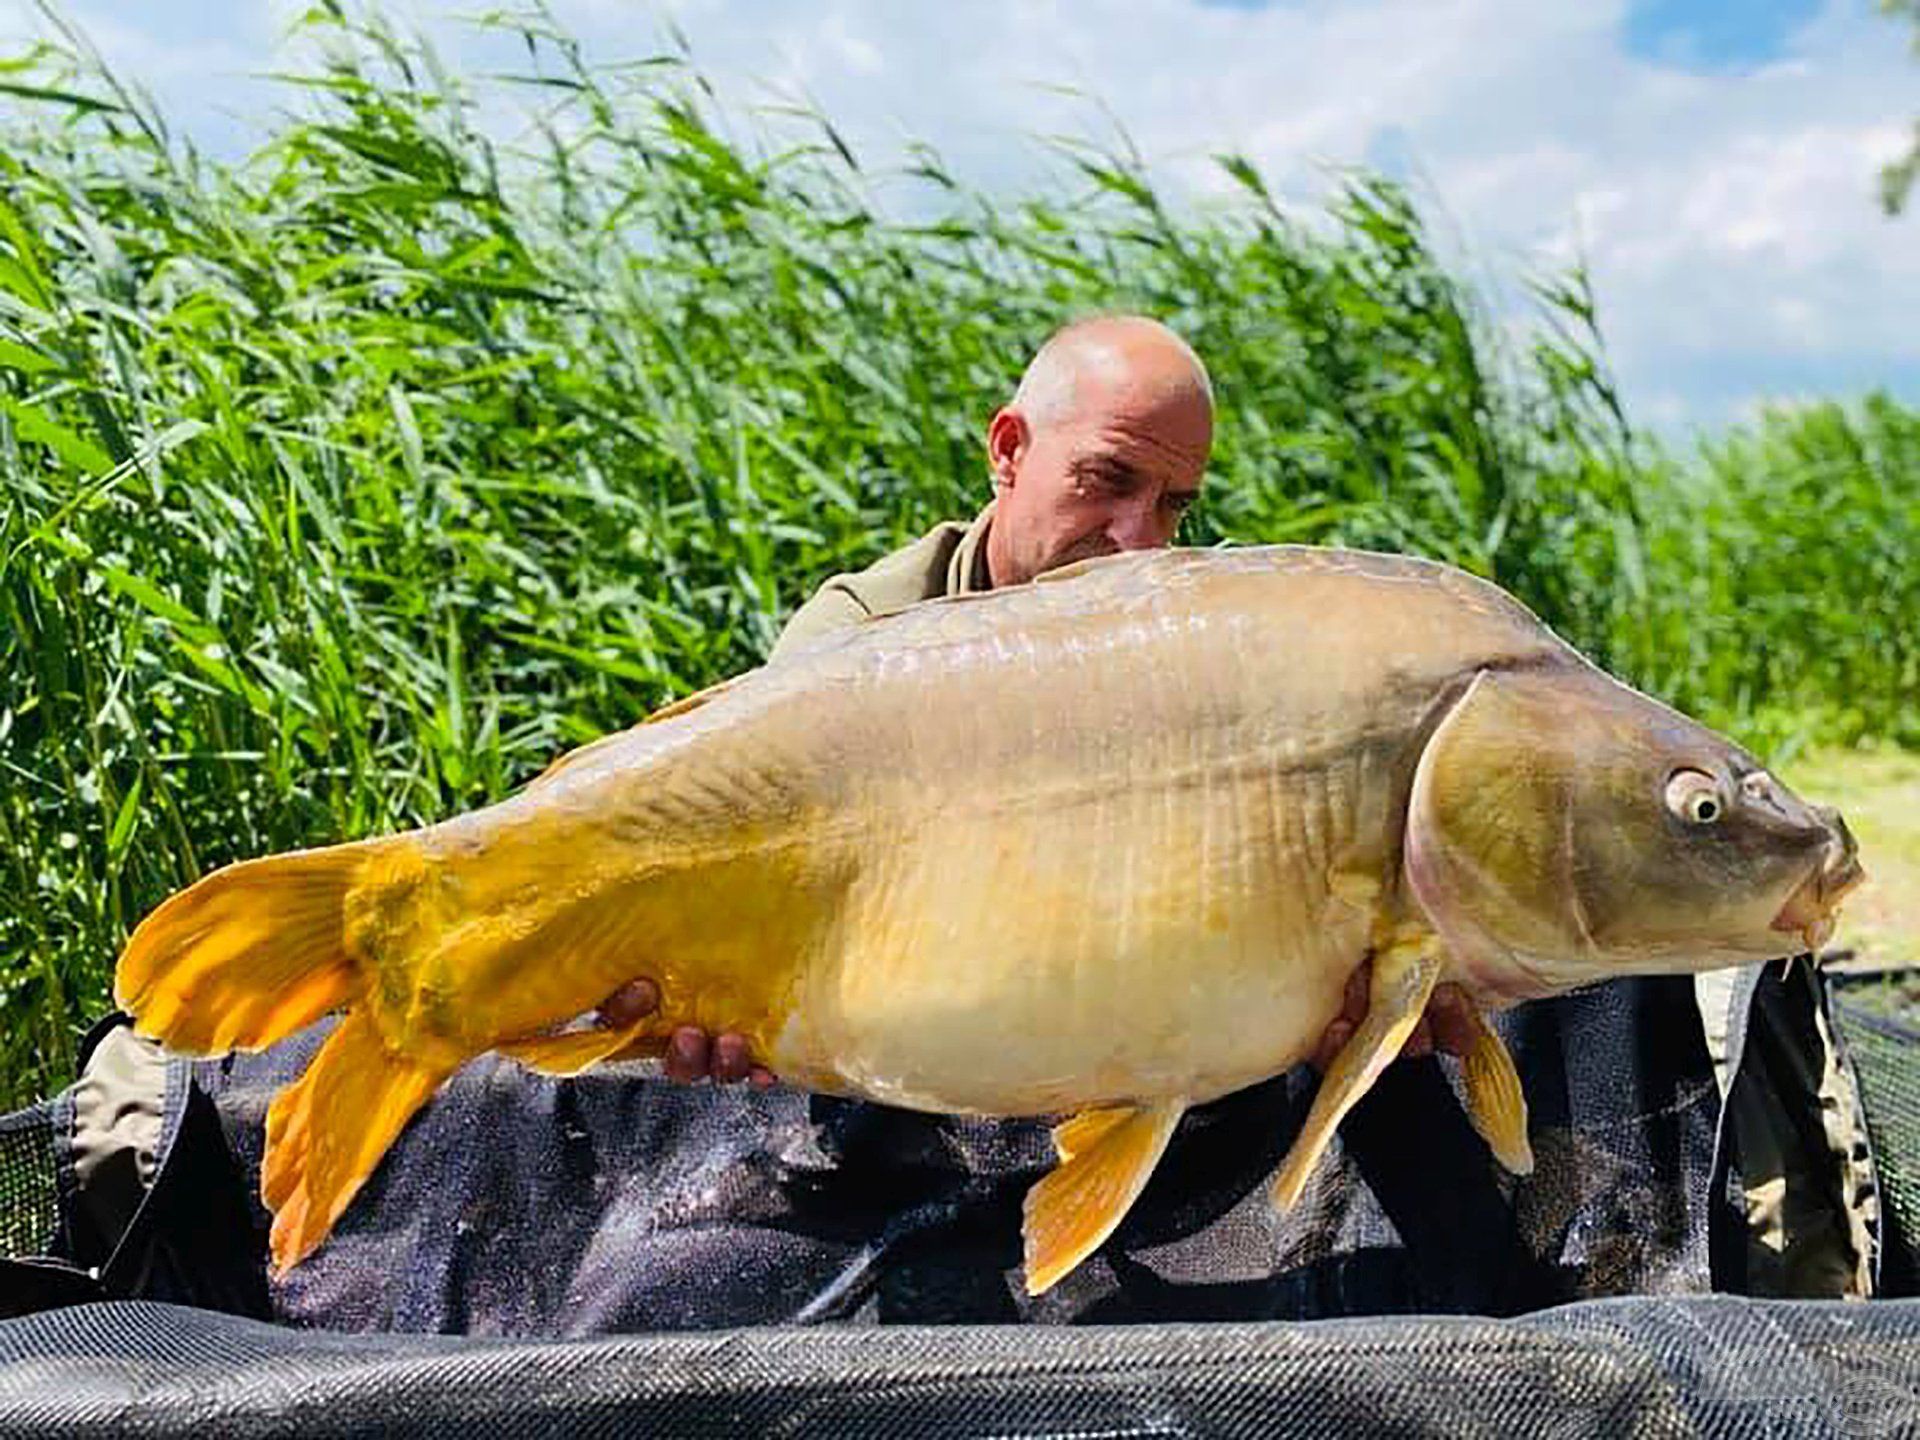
[{"x": 1811, "y": 908}]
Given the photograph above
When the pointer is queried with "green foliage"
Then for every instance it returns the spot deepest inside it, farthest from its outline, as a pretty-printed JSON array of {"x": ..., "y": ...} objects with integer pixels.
[
  {"x": 1785, "y": 555},
  {"x": 1897, "y": 179},
  {"x": 341, "y": 489}
]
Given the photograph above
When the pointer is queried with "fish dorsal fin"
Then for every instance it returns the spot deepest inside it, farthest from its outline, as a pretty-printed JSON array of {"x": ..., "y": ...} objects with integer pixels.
[
  {"x": 665, "y": 712},
  {"x": 1404, "y": 972},
  {"x": 574, "y": 756},
  {"x": 695, "y": 700},
  {"x": 1106, "y": 1158}
]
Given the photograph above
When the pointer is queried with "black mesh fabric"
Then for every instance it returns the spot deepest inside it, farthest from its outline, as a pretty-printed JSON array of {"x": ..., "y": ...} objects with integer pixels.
[
  {"x": 29, "y": 1183},
  {"x": 1701, "y": 1366},
  {"x": 1886, "y": 1057},
  {"x": 520, "y": 1205}
]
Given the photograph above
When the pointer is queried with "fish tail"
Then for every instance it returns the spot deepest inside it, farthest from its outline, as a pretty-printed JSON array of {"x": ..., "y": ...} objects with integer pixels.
[
  {"x": 327, "y": 1131},
  {"x": 259, "y": 950},
  {"x": 248, "y": 955}
]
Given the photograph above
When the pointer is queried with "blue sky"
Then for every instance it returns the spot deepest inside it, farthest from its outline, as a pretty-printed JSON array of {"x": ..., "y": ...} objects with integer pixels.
[
  {"x": 1723, "y": 36},
  {"x": 1714, "y": 161}
]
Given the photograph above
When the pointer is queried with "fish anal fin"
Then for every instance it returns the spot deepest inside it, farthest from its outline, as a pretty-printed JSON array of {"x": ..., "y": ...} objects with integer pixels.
[
  {"x": 1107, "y": 1157},
  {"x": 572, "y": 1051},
  {"x": 1495, "y": 1102},
  {"x": 327, "y": 1132},
  {"x": 1404, "y": 973}
]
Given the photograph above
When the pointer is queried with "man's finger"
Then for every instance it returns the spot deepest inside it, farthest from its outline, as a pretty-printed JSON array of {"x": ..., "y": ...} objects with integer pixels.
[
  {"x": 633, "y": 1000},
  {"x": 1353, "y": 1004},
  {"x": 1420, "y": 1042},
  {"x": 686, "y": 1057},
  {"x": 730, "y": 1059},
  {"x": 760, "y": 1078},
  {"x": 1332, "y": 1040},
  {"x": 1450, "y": 1013}
]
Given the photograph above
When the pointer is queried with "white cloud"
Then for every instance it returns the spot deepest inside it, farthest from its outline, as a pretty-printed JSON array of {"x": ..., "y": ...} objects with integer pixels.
[{"x": 1729, "y": 219}]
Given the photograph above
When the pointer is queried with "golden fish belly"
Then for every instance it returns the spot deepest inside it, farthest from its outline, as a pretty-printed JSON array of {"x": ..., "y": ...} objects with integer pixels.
[{"x": 1161, "y": 941}]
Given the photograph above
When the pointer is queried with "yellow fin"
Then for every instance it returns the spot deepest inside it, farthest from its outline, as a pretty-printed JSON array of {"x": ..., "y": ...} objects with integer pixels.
[
  {"x": 1495, "y": 1102},
  {"x": 327, "y": 1131},
  {"x": 1081, "y": 1133},
  {"x": 1106, "y": 1159},
  {"x": 572, "y": 1051},
  {"x": 695, "y": 700},
  {"x": 247, "y": 955},
  {"x": 665, "y": 712},
  {"x": 1403, "y": 977}
]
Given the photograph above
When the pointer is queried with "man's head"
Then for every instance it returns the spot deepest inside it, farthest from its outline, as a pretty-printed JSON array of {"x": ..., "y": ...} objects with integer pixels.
[{"x": 1101, "y": 449}]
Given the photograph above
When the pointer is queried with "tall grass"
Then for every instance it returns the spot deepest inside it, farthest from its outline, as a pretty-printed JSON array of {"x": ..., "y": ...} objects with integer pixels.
[
  {"x": 341, "y": 488},
  {"x": 1783, "y": 577}
]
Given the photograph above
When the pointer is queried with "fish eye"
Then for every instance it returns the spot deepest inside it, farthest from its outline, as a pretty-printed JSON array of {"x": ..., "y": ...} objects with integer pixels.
[{"x": 1694, "y": 796}]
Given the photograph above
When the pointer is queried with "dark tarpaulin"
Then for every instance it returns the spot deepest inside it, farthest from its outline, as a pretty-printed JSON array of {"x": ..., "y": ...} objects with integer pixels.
[
  {"x": 521, "y": 1205},
  {"x": 1714, "y": 1365}
]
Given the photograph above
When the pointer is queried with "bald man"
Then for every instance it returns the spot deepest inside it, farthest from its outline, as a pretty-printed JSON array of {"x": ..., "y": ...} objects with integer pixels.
[{"x": 1101, "y": 449}]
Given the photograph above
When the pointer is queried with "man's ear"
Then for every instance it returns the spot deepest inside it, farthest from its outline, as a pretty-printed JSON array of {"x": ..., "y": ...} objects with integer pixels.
[{"x": 1007, "y": 440}]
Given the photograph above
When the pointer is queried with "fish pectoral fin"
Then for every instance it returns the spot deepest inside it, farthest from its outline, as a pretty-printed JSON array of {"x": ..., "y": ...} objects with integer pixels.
[
  {"x": 1404, "y": 973},
  {"x": 1495, "y": 1103},
  {"x": 1106, "y": 1158},
  {"x": 572, "y": 1051}
]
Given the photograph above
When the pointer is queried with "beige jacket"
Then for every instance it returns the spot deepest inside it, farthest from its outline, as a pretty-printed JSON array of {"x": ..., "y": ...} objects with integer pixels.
[{"x": 950, "y": 559}]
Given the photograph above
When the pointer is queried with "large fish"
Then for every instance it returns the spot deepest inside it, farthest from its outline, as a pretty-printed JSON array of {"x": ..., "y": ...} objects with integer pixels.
[{"x": 1108, "y": 845}]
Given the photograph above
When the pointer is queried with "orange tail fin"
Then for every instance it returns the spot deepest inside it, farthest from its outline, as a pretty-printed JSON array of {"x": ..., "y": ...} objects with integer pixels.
[{"x": 246, "y": 956}]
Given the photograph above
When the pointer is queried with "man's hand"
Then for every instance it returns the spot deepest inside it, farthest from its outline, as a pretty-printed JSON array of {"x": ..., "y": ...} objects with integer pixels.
[
  {"x": 1447, "y": 1024},
  {"x": 691, "y": 1055}
]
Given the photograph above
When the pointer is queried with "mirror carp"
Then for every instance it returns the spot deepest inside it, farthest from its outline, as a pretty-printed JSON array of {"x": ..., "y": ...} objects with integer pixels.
[{"x": 1106, "y": 846}]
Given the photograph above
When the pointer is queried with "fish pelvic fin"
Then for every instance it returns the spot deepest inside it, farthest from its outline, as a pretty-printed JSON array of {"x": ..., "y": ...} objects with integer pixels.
[
  {"x": 247, "y": 955},
  {"x": 1106, "y": 1158},
  {"x": 1495, "y": 1102},
  {"x": 1404, "y": 973},
  {"x": 327, "y": 1131}
]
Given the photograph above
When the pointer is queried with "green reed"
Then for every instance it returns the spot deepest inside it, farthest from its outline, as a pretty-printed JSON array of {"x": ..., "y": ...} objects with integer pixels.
[{"x": 342, "y": 487}]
